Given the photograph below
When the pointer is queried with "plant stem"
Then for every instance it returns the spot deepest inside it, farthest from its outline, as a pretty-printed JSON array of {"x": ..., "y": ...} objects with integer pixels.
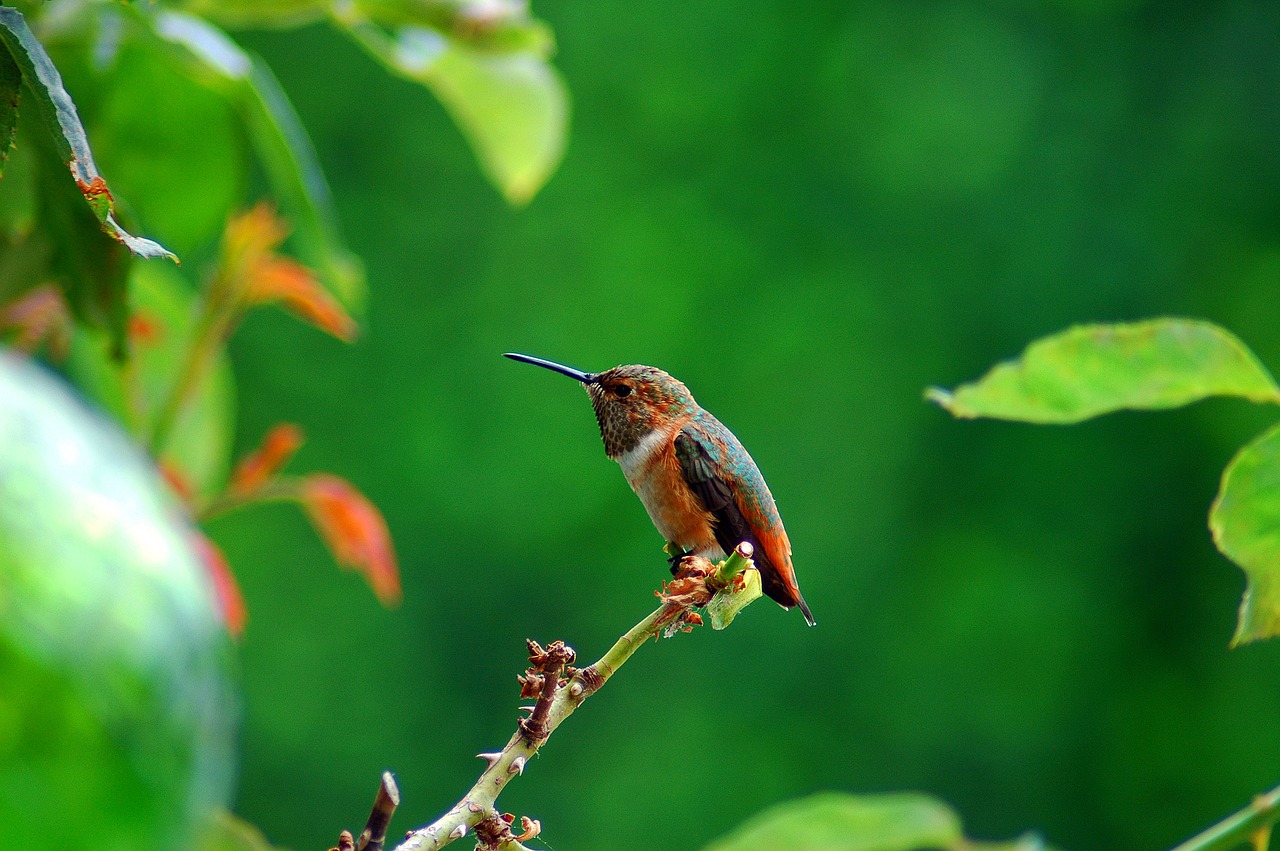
[
  {"x": 478, "y": 803},
  {"x": 212, "y": 328},
  {"x": 1239, "y": 828}
]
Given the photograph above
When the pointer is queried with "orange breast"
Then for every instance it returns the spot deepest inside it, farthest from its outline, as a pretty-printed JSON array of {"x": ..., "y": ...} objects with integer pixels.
[{"x": 674, "y": 509}]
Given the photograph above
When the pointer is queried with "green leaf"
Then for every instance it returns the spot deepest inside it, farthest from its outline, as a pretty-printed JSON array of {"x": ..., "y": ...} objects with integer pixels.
[
  {"x": 1245, "y": 520},
  {"x": 259, "y": 13},
  {"x": 833, "y": 820},
  {"x": 1096, "y": 369},
  {"x": 117, "y": 701},
  {"x": 279, "y": 140},
  {"x": 199, "y": 444},
  {"x": 228, "y": 832},
  {"x": 10, "y": 86},
  {"x": 512, "y": 106},
  {"x": 44, "y": 82}
]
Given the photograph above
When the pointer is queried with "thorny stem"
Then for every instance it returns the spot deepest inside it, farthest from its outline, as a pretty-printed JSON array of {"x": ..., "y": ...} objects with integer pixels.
[
  {"x": 478, "y": 805},
  {"x": 1252, "y": 824}
]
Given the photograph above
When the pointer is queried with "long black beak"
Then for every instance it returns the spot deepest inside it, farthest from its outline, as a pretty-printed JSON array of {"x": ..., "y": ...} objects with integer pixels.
[{"x": 584, "y": 377}]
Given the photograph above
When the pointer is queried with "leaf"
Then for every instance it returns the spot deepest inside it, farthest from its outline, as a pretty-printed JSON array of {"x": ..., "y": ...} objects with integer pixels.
[
  {"x": 1245, "y": 520},
  {"x": 10, "y": 86},
  {"x": 259, "y": 466},
  {"x": 512, "y": 106},
  {"x": 1096, "y": 369},
  {"x": 279, "y": 140},
  {"x": 59, "y": 112},
  {"x": 834, "y": 820},
  {"x": 354, "y": 530},
  {"x": 228, "y": 832},
  {"x": 199, "y": 446}
]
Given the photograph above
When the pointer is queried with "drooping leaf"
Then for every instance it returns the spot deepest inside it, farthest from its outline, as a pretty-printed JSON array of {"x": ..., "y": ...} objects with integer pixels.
[
  {"x": 279, "y": 141},
  {"x": 831, "y": 820},
  {"x": 199, "y": 446},
  {"x": 115, "y": 663},
  {"x": 89, "y": 265},
  {"x": 1090, "y": 370},
  {"x": 10, "y": 88},
  {"x": 1245, "y": 520},
  {"x": 512, "y": 106},
  {"x": 52, "y": 102}
]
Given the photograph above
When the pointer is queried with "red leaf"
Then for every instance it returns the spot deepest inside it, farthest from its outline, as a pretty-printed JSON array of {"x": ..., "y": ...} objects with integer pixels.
[
  {"x": 230, "y": 600},
  {"x": 39, "y": 316},
  {"x": 253, "y": 272},
  {"x": 257, "y": 468},
  {"x": 284, "y": 281},
  {"x": 355, "y": 532}
]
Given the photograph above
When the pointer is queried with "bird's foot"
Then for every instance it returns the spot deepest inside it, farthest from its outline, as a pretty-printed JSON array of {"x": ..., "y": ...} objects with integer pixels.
[{"x": 677, "y": 555}]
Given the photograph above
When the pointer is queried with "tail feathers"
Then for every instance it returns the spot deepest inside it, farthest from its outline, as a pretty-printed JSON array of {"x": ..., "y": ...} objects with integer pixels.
[{"x": 804, "y": 610}]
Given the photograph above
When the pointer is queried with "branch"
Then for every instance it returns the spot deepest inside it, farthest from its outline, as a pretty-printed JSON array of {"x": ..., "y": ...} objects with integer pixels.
[
  {"x": 557, "y": 699},
  {"x": 384, "y": 806},
  {"x": 1250, "y": 825}
]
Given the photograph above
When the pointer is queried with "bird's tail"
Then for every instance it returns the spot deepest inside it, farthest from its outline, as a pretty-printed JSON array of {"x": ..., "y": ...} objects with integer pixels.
[{"x": 804, "y": 609}]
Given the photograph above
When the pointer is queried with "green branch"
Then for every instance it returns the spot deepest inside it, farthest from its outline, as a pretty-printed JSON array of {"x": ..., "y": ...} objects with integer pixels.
[
  {"x": 557, "y": 699},
  {"x": 1250, "y": 825}
]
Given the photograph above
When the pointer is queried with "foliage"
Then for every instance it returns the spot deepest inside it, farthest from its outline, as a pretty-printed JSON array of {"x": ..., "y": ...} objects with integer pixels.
[{"x": 1162, "y": 363}]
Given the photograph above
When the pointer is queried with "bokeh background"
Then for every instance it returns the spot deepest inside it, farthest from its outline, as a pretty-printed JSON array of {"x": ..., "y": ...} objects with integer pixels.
[{"x": 809, "y": 213}]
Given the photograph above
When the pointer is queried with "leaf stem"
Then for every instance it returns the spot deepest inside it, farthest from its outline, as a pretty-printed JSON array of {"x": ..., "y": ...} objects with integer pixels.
[{"x": 1239, "y": 828}]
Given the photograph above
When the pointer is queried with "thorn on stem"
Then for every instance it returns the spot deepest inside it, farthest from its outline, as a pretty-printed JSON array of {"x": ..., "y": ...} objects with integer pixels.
[
  {"x": 458, "y": 832},
  {"x": 517, "y": 766},
  {"x": 490, "y": 758}
]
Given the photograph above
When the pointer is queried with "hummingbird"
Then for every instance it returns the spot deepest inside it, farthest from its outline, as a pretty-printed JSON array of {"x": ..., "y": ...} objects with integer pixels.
[{"x": 701, "y": 488}]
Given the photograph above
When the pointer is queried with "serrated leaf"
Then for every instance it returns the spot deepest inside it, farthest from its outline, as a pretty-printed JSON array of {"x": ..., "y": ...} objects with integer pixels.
[
  {"x": 512, "y": 106},
  {"x": 1245, "y": 520},
  {"x": 10, "y": 86},
  {"x": 53, "y": 103},
  {"x": 1090, "y": 370},
  {"x": 280, "y": 142},
  {"x": 833, "y": 820}
]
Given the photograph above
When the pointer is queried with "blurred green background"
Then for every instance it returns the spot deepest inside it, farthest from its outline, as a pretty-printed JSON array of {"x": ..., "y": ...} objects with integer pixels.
[{"x": 807, "y": 212}]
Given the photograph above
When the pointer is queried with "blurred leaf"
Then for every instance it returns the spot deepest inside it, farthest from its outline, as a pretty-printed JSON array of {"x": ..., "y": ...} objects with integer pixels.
[
  {"x": 228, "y": 832},
  {"x": 354, "y": 530},
  {"x": 494, "y": 26},
  {"x": 230, "y": 601},
  {"x": 117, "y": 706},
  {"x": 259, "y": 466},
  {"x": 59, "y": 112},
  {"x": 1245, "y": 520},
  {"x": 10, "y": 85},
  {"x": 832, "y": 820},
  {"x": 1095, "y": 369},
  {"x": 512, "y": 107},
  {"x": 280, "y": 141},
  {"x": 259, "y": 13},
  {"x": 199, "y": 446}
]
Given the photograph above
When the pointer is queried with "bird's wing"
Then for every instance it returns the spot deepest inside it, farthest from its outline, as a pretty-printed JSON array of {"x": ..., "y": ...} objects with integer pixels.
[{"x": 698, "y": 468}]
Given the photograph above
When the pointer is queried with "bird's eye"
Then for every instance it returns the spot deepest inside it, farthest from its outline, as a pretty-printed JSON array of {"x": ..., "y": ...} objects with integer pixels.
[{"x": 621, "y": 390}]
